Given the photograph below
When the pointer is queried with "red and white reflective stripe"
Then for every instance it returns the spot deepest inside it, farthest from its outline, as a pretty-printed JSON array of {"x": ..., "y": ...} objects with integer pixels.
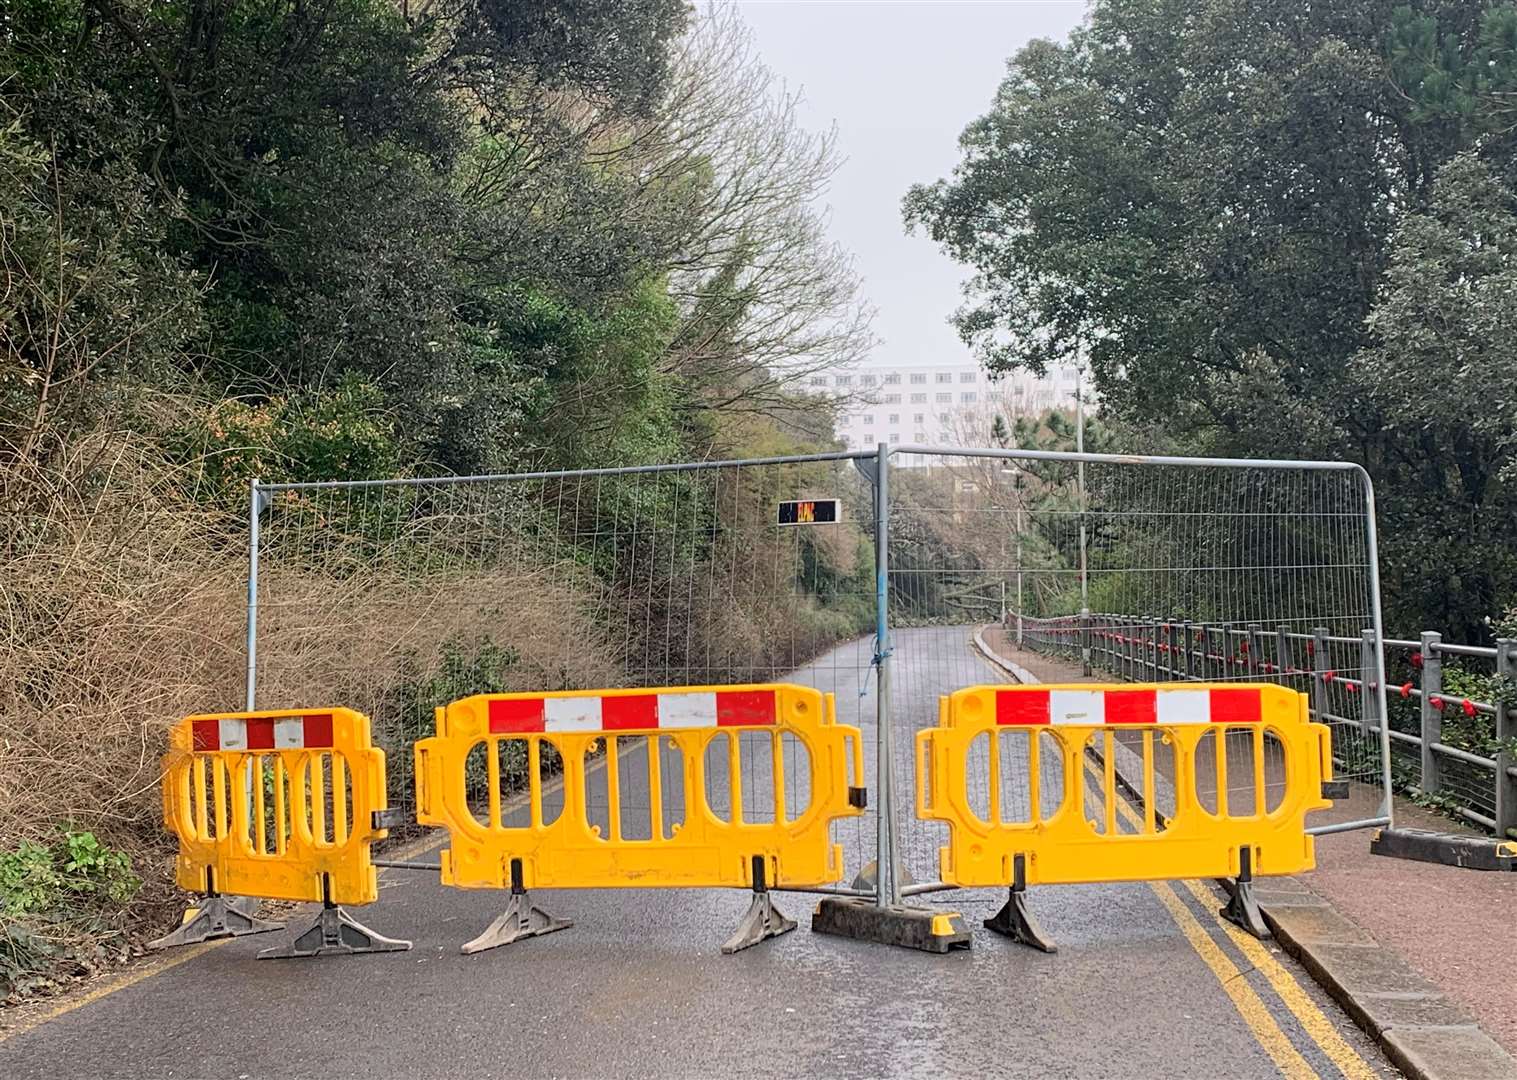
[
  {"x": 624, "y": 712},
  {"x": 312, "y": 732},
  {"x": 1179, "y": 706}
]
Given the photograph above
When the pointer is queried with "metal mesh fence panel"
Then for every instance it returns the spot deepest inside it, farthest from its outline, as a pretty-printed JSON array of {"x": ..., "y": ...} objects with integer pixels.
[
  {"x": 1197, "y": 571},
  {"x": 395, "y": 598}
]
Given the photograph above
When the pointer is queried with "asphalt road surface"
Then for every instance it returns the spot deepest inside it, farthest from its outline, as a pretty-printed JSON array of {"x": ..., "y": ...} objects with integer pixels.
[{"x": 1148, "y": 982}]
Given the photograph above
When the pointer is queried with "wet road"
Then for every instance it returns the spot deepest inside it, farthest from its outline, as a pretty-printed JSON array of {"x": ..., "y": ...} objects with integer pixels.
[{"x": 1147, "y": 983}]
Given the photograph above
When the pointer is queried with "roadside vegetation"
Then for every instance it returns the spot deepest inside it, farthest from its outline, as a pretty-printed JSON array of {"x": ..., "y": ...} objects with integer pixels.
[
  {"x": 345, "y": 240},
  {"x": 1272, "y": 230}
]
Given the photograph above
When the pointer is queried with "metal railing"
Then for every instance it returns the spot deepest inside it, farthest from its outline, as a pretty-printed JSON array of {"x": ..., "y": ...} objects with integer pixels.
[{"x": 1338, "y": 674}]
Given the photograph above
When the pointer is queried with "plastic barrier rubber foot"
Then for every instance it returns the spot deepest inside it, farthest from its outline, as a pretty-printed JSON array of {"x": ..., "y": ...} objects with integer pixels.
[
  {"x": 912, "y": 928},
  {"x": 1015, "y": 921},
  {"x": 1241, "y": 908},
  {"x": 762, "y": 920},
  {"x": 218, "y": 917},
  {"x": 519, "y": 920},
  {"x": 334, "y": 932}
]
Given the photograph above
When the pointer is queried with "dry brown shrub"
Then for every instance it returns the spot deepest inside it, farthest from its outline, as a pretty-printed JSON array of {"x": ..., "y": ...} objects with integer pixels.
[
  {"x": 123, "y": 608},
  {"x": 120, "y": 611}
]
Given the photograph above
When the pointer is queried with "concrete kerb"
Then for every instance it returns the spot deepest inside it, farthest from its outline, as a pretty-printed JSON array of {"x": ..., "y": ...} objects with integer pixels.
[{"x": 1426, "y": 1035}]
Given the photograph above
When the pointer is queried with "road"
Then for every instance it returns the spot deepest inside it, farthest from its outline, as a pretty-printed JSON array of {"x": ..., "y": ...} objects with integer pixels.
[{"x": 1147, "y": 982}]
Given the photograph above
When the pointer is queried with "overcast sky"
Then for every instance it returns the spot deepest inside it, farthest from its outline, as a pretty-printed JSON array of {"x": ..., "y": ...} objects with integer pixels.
[{"x": 900, "y": 80}]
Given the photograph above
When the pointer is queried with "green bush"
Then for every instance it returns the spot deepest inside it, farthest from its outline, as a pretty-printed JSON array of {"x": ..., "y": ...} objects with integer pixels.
[
  {"x": 338, "y": 432},
  {"x": 58, "y": 902},
  {"x": 66, "y": 881}
]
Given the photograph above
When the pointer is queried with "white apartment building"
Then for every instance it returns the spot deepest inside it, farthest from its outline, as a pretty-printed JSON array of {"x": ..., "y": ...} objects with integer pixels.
[{"x": 945, "y": 404}]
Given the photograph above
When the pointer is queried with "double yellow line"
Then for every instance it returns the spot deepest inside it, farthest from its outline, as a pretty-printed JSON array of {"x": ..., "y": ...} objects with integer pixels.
[{"x": 1261, "y": 1022}]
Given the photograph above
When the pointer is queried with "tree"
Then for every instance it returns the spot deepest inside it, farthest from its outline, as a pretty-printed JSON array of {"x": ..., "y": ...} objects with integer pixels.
[
  {"x": 1193, "y": 194},
  {"x": 1202, "y": 199},
  {"x": 87, "y": 298},
  {"x": 1439, "y": 367}
]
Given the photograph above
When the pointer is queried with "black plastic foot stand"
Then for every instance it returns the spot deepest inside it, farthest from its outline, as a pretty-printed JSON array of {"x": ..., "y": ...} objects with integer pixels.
[
  {"x": 762, "y": 920},
  {"x": 1241, "y": 908},
  {"x": 215, "y": 917},
  {"x": 1014, "y": 920},
  {"x": 334, "y": 932},
  {"x": 519, "y": 920}
]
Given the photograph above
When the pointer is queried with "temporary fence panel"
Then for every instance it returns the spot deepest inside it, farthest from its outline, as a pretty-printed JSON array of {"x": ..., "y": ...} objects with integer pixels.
[
  {"x": 677, "y": 786},
  {"x": 403, "y": 596},
  {"x": 1221, "y": 571},
  {"x": 1211, "y": 771},
  {"x": 283, "y": 805}
]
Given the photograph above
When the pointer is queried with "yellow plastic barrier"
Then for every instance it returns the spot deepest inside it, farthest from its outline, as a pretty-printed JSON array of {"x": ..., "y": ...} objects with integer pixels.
[
  {"x": 281, "y": 805},
  {"x": 585, "y": 734},
  {"x": 1059, "y": 819}
]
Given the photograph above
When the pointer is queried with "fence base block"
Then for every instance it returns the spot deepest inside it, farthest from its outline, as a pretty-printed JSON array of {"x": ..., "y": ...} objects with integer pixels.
[
  {"x": 1448, "y": 849},
  {"x": 762, "y": 920},
  {"x": 519, "y": 920},
  {"x": 925, "y": 929},
  {"x": 217, "y": 917},
  {"x": 334, "y": 932}
]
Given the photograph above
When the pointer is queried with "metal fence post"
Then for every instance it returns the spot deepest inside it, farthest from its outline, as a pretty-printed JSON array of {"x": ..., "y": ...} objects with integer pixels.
[
  {"x": 1249, "y": 655},
  {"x": 1377, "y": 624},
  {"x": 1189, "y": 635},
  {"x": 1369, "y": 709},
  {"x": 1431, "y": 716},
  {"x": 252, "y": 631},
  {"x": 887, "y": 889},
  {"x": 1506, "y": 732}
]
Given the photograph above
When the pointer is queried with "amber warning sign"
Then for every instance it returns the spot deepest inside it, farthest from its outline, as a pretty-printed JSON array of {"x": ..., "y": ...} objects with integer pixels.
[{"x": 810, "y": 512}]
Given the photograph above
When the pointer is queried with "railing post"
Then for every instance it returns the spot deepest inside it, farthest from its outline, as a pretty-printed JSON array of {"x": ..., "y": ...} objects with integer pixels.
[
  {"x": 1084, "y": 616},
  {"x": 1431, "y": 716},
  {"x": 1172, "y": 640},
  {"x": 1369, "y": 709},
  {"x": 1283, "y": 659},
  {"x": 1506, "y": 732},
  {"x": 1253, "y": 643},
  {"x": 1319, "y": 668},
  {"x": 1188, "y": 632}
]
